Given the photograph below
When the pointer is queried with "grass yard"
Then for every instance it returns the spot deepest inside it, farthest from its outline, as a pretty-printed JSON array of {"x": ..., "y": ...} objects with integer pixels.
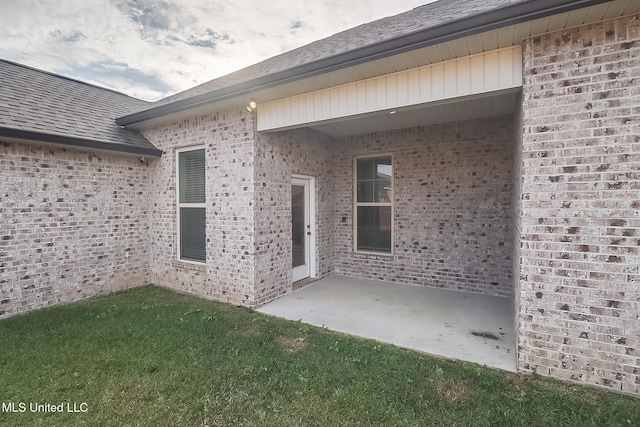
[{"x": 151, "y": 357}]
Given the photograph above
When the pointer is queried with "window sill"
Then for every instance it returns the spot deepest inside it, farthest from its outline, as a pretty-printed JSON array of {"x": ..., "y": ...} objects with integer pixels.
[
  {"x": 383, "y": 254},
  {"x": 190, "y": 265}
]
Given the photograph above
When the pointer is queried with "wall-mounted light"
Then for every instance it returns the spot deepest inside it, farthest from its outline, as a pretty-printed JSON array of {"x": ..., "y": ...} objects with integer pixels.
[{"x": 251, "y": 107}]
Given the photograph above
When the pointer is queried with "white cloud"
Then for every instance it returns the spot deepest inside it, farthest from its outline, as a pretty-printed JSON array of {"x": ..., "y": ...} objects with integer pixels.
[{"x": 152, "y": 48}]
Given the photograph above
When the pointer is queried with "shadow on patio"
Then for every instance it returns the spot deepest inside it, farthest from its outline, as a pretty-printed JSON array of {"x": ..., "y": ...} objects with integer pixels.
[{"x": 456, "y": 325}]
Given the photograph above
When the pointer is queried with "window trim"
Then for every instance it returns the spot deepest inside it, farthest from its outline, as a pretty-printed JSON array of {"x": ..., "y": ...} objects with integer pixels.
[
  {"x": 356, "y": 204},
  {"x": 186, "y": 205}
]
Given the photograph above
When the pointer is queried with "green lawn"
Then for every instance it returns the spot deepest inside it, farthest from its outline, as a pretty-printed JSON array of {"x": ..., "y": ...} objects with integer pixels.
[{"x": 150, "y": 357}]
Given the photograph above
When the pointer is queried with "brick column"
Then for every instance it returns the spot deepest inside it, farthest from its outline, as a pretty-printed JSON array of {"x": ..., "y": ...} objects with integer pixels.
[{"x": 580, "y": 218}]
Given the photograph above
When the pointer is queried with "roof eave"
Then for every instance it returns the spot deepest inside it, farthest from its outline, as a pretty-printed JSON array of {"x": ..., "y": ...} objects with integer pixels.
[
  {"x": 77, "y": 142},
  {"x": 497, "y": 18}
]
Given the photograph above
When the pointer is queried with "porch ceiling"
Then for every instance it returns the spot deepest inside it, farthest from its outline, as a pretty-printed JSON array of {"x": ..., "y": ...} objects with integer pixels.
[{"x": 452, "y": 110}]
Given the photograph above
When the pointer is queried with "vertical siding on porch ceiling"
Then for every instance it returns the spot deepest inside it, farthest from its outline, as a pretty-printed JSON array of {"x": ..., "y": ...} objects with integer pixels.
[{"x": 476, "y": 74}]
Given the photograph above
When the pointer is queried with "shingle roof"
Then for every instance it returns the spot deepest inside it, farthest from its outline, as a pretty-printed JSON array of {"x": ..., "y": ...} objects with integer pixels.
[
  {"x": 46, "y": 107},
  {"x": 426, "y": 16},
  {"x": 425, "y": 25}
]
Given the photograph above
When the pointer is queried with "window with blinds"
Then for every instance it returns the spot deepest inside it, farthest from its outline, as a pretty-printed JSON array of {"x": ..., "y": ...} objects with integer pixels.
[
  {"x": 373, "y": 219},
  {"x": 191, "y": 205}
]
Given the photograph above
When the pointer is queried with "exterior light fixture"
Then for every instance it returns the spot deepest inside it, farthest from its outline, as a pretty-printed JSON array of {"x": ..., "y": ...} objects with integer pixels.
[{"x": 252, "y": 105}]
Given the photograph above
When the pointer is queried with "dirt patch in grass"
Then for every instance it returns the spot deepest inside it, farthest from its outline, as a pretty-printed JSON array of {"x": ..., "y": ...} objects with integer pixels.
[
  {"x": 454, "y": 391},
  {"x": 291, "y": 345}
]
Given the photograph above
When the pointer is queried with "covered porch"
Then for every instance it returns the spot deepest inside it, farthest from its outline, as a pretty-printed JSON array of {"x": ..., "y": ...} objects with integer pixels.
[
  {"x": 442, "y": 142},
  {"x": 451, "y": 324}
]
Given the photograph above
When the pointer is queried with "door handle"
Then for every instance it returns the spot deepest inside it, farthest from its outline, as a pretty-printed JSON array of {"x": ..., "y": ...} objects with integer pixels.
[{"x": 308, "y": 233}]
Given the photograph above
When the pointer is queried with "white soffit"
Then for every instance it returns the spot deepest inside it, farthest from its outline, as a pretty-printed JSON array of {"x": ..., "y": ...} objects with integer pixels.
[
  {"x": 452, "y": 110},
  {"x": 485, "y": 73}
]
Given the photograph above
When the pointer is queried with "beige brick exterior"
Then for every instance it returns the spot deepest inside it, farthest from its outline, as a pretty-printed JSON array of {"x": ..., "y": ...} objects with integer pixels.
[
  {"x": 229, "y": 274},
  {"x": 278, "y": 157},
  {"x": 453, "y": 214},
  {"x": 73, "y": 224},
  {"x": 580, "y": 221},
  {"x": 440, "y": 241}
]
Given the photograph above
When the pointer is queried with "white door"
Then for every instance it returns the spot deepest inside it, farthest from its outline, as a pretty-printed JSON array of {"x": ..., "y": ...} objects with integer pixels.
[{"x": 302, "y": 228}]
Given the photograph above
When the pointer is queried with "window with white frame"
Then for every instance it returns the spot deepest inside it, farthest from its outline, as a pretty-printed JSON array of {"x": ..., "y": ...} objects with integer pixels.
[
  {"x": 373, "y": 216},
  {"x": 191, "y": 204}
]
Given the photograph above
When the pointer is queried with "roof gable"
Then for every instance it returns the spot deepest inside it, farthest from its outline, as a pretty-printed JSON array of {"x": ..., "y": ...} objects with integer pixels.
[
  {"x": 423, "y": 26},
  {"x": 45, "y": 107},
  {"x": 426, "y": 16}
]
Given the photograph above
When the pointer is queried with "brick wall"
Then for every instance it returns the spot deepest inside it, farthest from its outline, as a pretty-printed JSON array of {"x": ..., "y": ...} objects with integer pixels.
[
  {"x": 229, "y": 273},
  {"x": 516, "y": 205},
  {"x": 579, "y": 295},
  {"x": 72, "y": 224},
  {"x": 278, "y": 156},
  {"x": 453, "y": 210}
]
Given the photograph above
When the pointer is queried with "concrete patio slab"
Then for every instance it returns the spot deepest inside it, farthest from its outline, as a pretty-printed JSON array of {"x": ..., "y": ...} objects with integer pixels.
[{"x": 457, "y": 325}]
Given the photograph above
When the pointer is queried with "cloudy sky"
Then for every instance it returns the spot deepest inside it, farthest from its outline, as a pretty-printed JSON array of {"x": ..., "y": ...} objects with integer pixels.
[{"x": 153, "y": 48}]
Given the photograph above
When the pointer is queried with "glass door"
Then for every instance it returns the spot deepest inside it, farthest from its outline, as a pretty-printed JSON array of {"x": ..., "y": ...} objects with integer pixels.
[{"x": 300, "y": 228}]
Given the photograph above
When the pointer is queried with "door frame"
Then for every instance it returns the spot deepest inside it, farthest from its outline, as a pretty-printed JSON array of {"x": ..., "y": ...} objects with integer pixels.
[{"x": 311, "y": 206}]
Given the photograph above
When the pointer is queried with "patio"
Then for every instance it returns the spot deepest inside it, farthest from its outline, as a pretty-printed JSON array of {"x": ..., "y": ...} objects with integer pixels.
[{"x": 457, "y": 325}]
